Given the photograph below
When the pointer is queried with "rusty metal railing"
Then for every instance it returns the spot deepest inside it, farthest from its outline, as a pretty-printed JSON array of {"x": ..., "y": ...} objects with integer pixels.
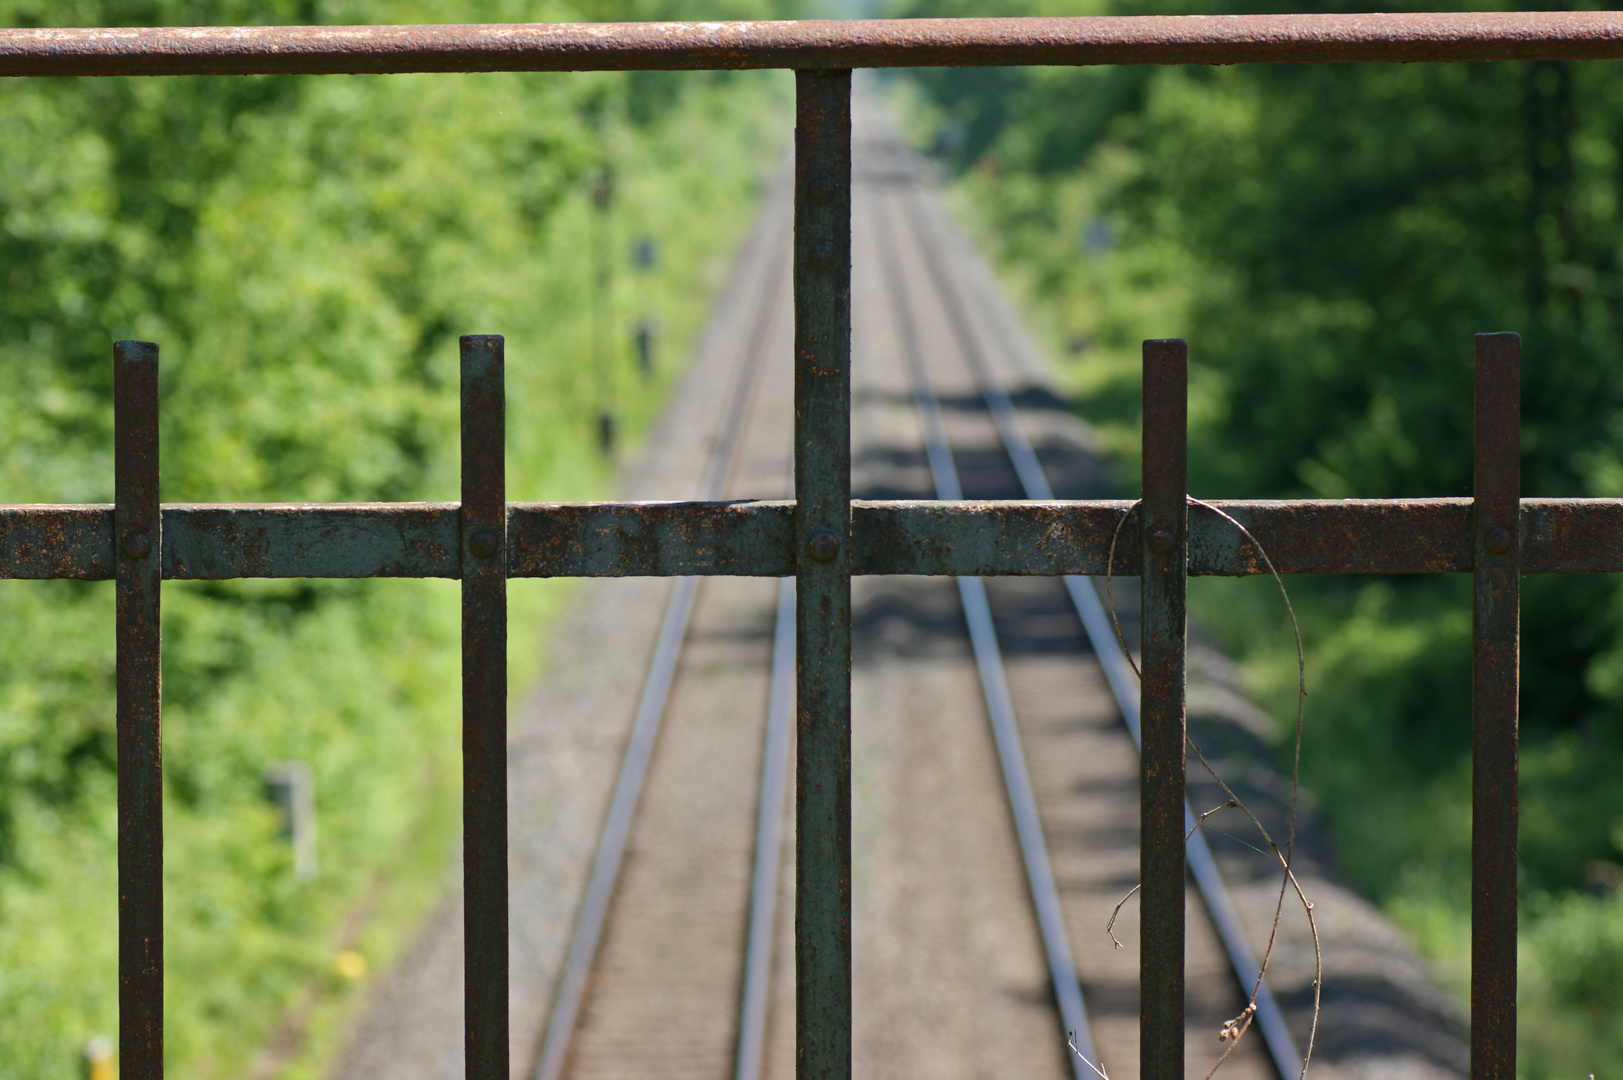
[{"x": 826, "y": 537}]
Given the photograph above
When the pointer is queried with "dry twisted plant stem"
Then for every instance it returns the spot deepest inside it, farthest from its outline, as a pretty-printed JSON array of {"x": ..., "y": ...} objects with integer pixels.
[
  {"x": 1110, "y": 597},
  {"x": 1111, "y": 925},
  {"x": 1296, "y": 785},
  {"x": 1234, "y": 1029},
  {"x": 1099, "y": 1069},
  {"x": 1202, "y": 819}
]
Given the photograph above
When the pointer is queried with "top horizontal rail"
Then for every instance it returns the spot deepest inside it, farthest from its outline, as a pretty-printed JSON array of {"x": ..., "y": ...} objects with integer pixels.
[{"x": 856, "y": 43}]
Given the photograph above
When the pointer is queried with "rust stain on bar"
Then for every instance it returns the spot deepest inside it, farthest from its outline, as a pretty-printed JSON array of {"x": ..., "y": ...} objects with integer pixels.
[
  {"x": 1352, "y": 536},
  {"x": 138, "y": 528},
  {"x": 756, "y": 539},
  {"x": 827, "y": 44},
  {"x": 1495, "y": 678},
  {"x": 1164, "y": 554},
  {"x": 484, "y": 707},
  {"x": 57, "y": 542},
  {"x": 989, "y": 539},
  {"x": 652, "y": 539},
  {"x": 353, "y": 541}
]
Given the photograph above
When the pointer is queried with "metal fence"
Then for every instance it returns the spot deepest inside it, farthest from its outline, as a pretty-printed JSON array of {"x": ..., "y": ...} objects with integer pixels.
[{"x": 825, "y": 537}]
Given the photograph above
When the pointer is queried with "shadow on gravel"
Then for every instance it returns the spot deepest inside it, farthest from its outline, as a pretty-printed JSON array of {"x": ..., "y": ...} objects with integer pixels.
[{"x": 1382, "y": 1014}]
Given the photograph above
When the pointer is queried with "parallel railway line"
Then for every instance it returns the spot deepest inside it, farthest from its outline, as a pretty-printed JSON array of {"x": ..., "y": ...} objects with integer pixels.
[
  {"x": 909, "y": 262},
  {"x": 1123, "y": 683}
]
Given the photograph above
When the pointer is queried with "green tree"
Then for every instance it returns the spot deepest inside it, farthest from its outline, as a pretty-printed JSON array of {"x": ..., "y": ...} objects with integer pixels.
[
  {"x": 1328, "y": 238},
  {"x": 306, "y": 251}
]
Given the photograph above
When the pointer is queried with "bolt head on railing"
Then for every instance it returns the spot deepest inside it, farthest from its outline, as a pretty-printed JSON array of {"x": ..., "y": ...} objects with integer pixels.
[
  {"x": 483, "y": 542},
  {"x": 137, "y": 543},
  {"x": 822, "y": 545},
  {"x": 1161, "y": 539},
  {"x": 1496, "y": 539}
]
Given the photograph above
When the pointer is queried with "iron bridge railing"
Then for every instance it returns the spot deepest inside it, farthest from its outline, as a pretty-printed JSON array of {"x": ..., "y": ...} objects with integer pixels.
[{"x": 825, "y": 537}]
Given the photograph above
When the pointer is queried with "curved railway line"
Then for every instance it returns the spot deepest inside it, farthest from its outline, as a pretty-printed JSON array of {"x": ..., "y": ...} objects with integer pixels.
[{"x": 604, "y": 1019}]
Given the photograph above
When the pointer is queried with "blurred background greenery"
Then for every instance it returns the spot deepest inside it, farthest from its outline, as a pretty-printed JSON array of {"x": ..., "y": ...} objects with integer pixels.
[
  {"x": 1328, "y": 238},
  {"x": 306, "y": 251}
]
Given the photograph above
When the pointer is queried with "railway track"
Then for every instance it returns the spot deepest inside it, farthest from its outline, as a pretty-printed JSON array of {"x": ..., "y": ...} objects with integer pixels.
[
  {"x": 995, "y": 808},
  {"x": 671, "y": 967},
  {"x": 909, "y": 217},
  {"x": 666, "y": 896}
]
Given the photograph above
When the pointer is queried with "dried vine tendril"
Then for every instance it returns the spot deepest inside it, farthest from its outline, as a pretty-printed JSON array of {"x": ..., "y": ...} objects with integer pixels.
[{"x": 1234, "y": 1029}]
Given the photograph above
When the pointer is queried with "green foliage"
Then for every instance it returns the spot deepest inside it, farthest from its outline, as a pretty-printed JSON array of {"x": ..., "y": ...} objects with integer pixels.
[
  {"x": 1576, "y": 947},
  {"x": 306, "y": 251},
  {"x": 1328, "y": 238}
]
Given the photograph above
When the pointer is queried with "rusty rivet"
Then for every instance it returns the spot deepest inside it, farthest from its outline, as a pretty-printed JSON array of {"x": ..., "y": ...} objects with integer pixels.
[
  {"x": 1496, "y": 539},
  {"x": 482, "y": 542},
  {"x": 138, "y": 543},
  {"x": 822, "y": 256},
  {"x": 821, "y": 191},
  {"x": 822, "y": 545},
  {"x": 1161, "y": 538}
]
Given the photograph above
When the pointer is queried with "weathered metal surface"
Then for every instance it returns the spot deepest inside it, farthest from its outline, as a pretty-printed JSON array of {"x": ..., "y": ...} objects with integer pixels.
[
  {"x": 346, "y": 541},
  {"x": 756, "y": 539},
  {"x": 1156, "y": 39},
  {"x": 45, "y": 542},
  {"x": 1164, "y": 553},
  {"x": 1495, "y": 675},
  {"x": 822, "y": 441},
  {"x": 652, "y": 539},
  {"x": 1571, "y": 536},
  {"x": 138, "y": 529},
  {"x": 989, "y": 539},
  {"x": 1354, "y": 536},
  {"x": 484, "y": 707}
]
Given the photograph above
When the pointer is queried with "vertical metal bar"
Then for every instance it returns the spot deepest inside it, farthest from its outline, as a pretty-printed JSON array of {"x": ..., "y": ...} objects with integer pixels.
[
  {"x": 484, "y": 707},
  {"x": 137, "y": 524},
  {"x": 1164, "y": 550},
  {"x": 822, "y": 262},
  {"x": 1494, "y": 679}
]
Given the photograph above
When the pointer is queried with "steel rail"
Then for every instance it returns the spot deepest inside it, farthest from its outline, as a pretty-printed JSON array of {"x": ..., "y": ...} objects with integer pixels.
[
  {"x": 994, "y": 686},
  {"x": 780, "y": 719},
  {"x": 830, "y": 44},
  {"x": 1123, "y": 683},
  {"x": 657, "y": 685}
]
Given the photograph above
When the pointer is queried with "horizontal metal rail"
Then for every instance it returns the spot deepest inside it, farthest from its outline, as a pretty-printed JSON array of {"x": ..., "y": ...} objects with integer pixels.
[
  {"x": 756, "y": 539},
  {"x": 876, "y": 43}
]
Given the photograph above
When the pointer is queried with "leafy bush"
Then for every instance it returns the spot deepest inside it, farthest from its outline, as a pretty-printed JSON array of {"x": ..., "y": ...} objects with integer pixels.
[
  {"x": 305, "y": 251},
  {"x": 1328, "y": 238}
]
